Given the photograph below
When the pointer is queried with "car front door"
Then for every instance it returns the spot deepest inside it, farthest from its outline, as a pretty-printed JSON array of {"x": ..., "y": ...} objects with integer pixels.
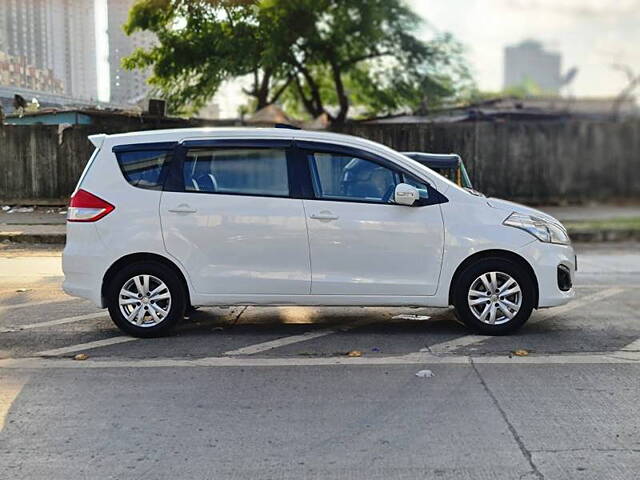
[
  {"x": 360, "y": 242},
  {"x": 232, "y": 221}
]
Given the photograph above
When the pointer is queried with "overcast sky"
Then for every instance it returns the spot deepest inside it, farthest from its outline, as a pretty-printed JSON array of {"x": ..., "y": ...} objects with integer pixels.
[{"x": 590, "y": 34}]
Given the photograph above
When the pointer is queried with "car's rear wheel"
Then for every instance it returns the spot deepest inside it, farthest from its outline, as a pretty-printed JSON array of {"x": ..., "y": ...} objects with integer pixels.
[
  {"x": 146, "y": 299},
  {"x": 494, "y": 296}
]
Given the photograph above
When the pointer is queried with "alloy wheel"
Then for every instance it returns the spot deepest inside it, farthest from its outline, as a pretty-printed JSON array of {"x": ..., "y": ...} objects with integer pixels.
[
  {"x": 144, "y": 300},
  {"x": 495, "y": 298}
]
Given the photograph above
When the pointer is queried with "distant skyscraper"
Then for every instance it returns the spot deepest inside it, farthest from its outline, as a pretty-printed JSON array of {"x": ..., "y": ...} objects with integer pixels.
[
  {"x": 126, "y": 86},
  {"x": 53, "y": 34},
  {"x": 529, "y": 60},
  {"x": 24, "y": 31}
]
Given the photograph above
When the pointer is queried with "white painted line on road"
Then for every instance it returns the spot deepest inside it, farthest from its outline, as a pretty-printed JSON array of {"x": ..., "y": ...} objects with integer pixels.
[
  {"x": 85, "y": 346},
  {"x": 467, "y": 340},
  {"x": 632, "y": 347},
  {"x": 580, "y": 302},
  {"x": 34, "y": 304},
  {"x": 10, "y": 390},
  {"x": 449, "y": 345},
  {"x": 280, "y": 342},
  {"x": 410, "y": 359},
  {"x": 51, "y": 323}
]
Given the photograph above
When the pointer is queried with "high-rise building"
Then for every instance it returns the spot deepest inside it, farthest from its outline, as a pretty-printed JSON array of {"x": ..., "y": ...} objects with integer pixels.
[
  {"x": 24, "y": 31},
  {"x": 58, "y": 35},
  {"x": 529, "y": 61},
  {"x": 15, "y": 72},
  {"x": 127, "y": 86}
]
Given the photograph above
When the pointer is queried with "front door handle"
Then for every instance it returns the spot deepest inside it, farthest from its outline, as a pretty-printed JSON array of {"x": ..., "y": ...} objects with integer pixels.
[
  {"x": 324, "y": 215},
  {"x": 183, "y": 208}
]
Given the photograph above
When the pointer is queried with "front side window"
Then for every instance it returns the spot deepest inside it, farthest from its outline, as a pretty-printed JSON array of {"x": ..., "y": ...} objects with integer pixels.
[
  {"x": 248, "y": 171},
  {"x": 344, "y": 177},
  {"x": 143, "y": 168},
  {"x": 422, "y": 187}
]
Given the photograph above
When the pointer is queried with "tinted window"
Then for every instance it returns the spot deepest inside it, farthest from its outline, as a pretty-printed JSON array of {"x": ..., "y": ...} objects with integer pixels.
[
  {"x": 249, "y": 171},
  {"x": 143, "y": 168},
  {"x": 337, "y": 176}
]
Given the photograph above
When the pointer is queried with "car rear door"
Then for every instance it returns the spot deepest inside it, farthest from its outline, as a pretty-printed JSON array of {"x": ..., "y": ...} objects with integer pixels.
[
  {"x": 230, "y": 217},
  {"x": 360, "y": 243}
]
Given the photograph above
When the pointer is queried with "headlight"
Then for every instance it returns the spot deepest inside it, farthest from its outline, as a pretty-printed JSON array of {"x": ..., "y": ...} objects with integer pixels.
[{"x": 543, "y": 230}]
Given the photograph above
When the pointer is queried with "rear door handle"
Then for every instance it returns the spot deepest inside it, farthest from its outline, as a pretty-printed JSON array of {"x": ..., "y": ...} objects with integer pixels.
[
  {"x": 183, "y": 208},
  {"x": 324, "y": 215}
]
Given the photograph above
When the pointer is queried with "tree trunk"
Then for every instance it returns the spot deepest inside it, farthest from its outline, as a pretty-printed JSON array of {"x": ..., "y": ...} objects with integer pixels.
[{"x": 343, "y": 100}]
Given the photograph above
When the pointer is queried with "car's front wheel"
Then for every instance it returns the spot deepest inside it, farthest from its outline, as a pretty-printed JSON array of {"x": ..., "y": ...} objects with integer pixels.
[
  {"x": 494, "y": 296},
  {"x": 146, "y": 299}
]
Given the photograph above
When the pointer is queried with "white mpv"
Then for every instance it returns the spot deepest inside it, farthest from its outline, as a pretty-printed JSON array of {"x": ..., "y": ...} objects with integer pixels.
[{"x": 164, "y": 221}]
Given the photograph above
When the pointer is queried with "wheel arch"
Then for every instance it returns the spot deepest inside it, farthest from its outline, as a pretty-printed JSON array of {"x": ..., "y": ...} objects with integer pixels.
[
  {"x": 495, "y": 253},
  {"x": 142, "y": 257}
]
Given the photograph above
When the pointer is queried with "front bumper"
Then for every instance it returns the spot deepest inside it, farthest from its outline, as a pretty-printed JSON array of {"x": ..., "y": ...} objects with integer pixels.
[{"x": 546, "y": 259}]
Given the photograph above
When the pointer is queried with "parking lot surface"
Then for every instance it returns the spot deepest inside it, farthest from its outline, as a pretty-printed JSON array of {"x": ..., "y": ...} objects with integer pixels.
[{"x": 245, "y": 392}]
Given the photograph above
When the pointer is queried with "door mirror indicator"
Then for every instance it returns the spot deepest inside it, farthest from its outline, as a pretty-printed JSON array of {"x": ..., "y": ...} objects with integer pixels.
[{"x": 405, "y": 194}]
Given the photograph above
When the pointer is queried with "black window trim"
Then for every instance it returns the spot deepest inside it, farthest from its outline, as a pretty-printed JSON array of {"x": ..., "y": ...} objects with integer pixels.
[
  {"x": 305, "y": 147},
  {"x": 175, "y": 180}
]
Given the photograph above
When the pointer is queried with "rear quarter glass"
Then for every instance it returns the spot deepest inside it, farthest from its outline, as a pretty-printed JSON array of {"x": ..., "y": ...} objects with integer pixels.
[{"x": 144, "y": 168}]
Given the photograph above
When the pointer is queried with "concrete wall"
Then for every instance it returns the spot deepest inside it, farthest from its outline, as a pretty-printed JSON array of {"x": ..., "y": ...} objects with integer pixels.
[{"x": 536, "y": 163}]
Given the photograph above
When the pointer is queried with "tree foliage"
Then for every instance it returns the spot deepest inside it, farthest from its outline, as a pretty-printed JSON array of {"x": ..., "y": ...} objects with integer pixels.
[{"x": 316, "y": 56}]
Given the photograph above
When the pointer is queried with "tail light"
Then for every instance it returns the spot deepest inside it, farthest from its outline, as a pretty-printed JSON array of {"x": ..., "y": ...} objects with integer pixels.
[{"x": 86, "y": 207}]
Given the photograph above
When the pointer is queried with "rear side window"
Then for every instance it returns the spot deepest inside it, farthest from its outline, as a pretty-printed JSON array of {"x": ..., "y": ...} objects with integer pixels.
[
  {"x": 144, "y": 168},
  {"x": 243, "y": 171}
]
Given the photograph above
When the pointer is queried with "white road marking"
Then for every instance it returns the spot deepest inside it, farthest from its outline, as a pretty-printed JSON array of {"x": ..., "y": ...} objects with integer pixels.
[
  {"x": 51, "y": 323},
  {"x": 33, "y": 304},
  {"x": 11, "y": 388},
  {"x": 467, "y": 340},
  {"x": 449, "y": 345},
  {"x": 581, "y": 302},
  {"x": 632, "y": 347},
  {"x": 280, "y": 342},
  {"x": 85, "y": 346},
  {"x": 409, "y": 359}
]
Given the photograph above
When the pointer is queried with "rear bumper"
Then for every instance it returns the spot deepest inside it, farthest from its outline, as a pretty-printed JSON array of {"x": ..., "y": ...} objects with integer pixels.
[
  {"x": 82, "y": 263},
  {"x": 545, "y": 258}
]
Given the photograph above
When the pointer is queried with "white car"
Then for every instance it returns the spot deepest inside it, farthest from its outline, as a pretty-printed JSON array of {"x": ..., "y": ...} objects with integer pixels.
[{"x": 163, "y": 221}]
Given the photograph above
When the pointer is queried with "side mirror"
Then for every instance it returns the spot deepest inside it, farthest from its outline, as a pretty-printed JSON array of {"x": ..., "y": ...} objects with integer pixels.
[{"x": 405, "y": 194}]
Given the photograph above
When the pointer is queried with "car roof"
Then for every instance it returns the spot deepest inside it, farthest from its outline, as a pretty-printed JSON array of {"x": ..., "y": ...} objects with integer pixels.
[
  {"x": 435, "y": 160},
  {"x": 178, "y": 134}
]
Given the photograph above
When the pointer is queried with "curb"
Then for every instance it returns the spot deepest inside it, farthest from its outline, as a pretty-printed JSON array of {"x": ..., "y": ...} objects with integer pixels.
[
  {"x": 593, "y": 236},
  {"x": 26, "y": 238}
]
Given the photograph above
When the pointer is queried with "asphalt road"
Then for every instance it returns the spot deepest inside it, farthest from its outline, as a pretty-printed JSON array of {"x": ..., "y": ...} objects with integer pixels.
[{"x": 249, "y": 393}]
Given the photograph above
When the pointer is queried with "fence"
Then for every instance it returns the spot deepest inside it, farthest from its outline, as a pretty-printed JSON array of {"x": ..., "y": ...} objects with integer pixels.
[
  {"x": 40, "y": 164},
  {"x": 545, "y": 162},
  {"x": 537, "y": 163}
]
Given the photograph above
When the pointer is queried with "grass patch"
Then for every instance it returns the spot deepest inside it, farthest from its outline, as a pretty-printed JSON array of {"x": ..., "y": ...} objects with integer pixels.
[{"x": 632, "y": 223}]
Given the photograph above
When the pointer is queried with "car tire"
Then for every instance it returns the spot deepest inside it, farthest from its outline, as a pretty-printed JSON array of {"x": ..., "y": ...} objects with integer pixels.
[
  {"x": 494, "y": 285},
  {"x": 140, "y": 314}
]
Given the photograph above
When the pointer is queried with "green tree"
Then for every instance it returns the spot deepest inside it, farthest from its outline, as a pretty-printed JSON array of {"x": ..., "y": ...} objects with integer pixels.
[{"x": 316, "y": 56}]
